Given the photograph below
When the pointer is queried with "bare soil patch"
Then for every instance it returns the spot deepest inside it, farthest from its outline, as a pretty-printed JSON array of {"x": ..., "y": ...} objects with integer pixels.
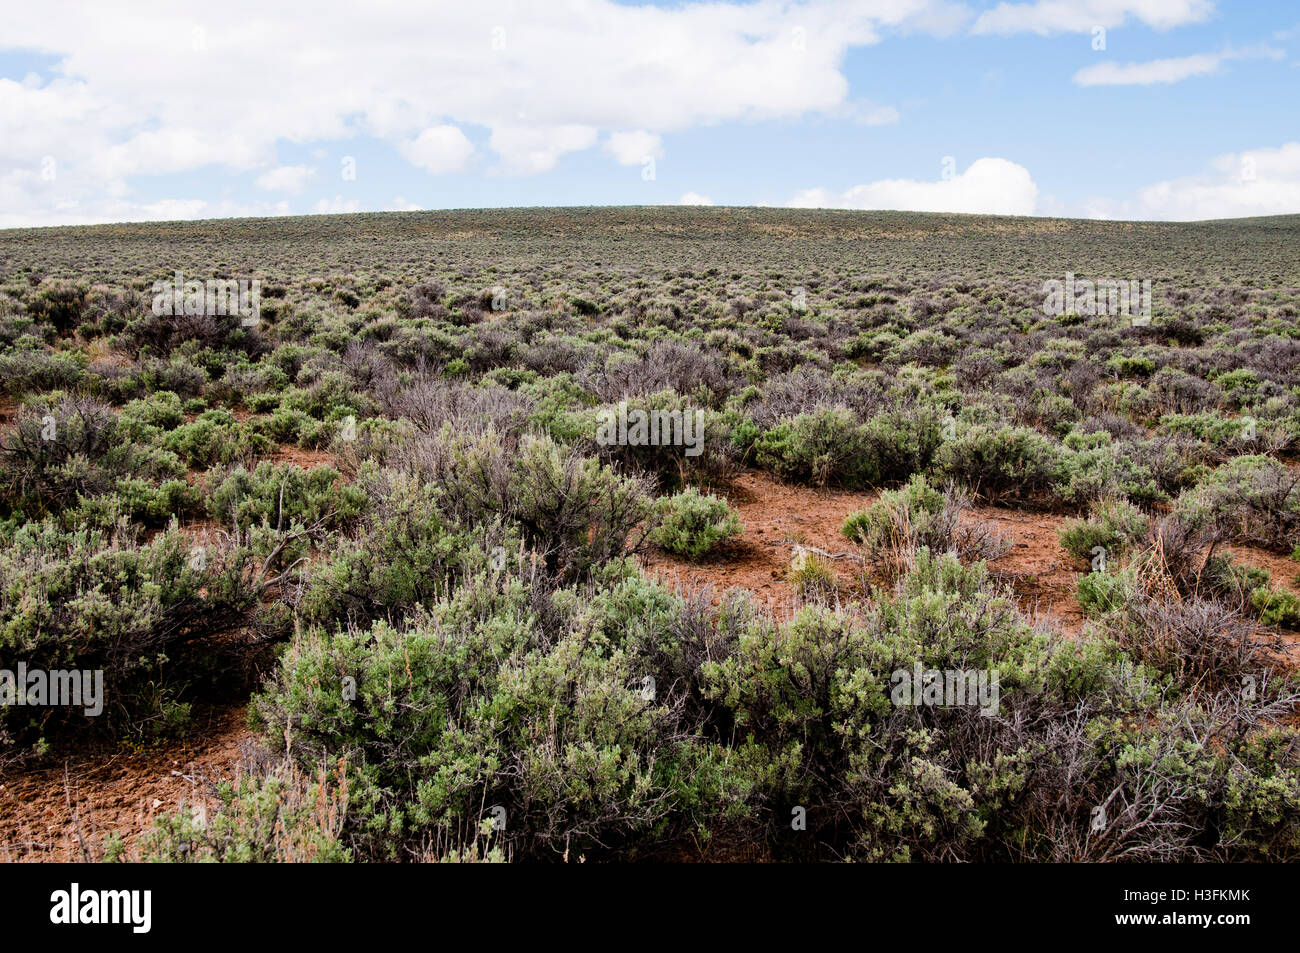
[
  {"x": 779, "y": 517},
  {"x": 51, "y": 811},
  {"x": 303, "y": 459}
]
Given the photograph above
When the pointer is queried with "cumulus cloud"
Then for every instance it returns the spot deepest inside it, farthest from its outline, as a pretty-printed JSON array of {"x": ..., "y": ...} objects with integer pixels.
[
  {"x": 285, "y": 178},
  {"x": 991, "y": 186},
  {"x": 1171, "y": 70},
  {"x": 633, "y": 148},
  {"x": 439, "y": 150},
  {"x": 1253, "y": 182},
  {"x": 528, "y": 150},
  {"x": 521, "y": 72},
  {"x": 336, "y": 205},
  {"x": 18, "y": 189},
  {"x": 426, "y": 77},
  {"x": 1082, "y": 16},
  {"x": 694, "y": 198}
]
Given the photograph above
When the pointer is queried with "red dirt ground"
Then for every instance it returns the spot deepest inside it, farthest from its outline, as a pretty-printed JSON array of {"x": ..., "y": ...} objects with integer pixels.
[
  {"x": 47, "y": 813},
  {"x": 304, "y": 459},
  {"x": 777, "y": 517}
]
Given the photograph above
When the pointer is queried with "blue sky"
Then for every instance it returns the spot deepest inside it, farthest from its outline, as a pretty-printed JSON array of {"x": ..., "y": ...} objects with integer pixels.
[{"x": 1180, "y": 109}]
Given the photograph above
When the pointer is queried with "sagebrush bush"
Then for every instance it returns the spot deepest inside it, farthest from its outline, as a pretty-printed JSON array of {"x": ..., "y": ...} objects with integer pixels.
[
  {"x": 280, "y": 495},
  {"x": 1113, "y": 525},
  {"x": 491, "y": 697},
  {"x": 901, "y": 522},
  {"x": 73, "y": 447},
  {"x": 27, "y": 369},
  {"x": 822, "y": 448},
  {"x": 812, "y": 700},
  {"x": 1252, "y": 499},
  {"x": 571, "y": 509},
  {"x": 216, "y": 437},
  {"x": 275, "y": 814},
  {"x": 1000, "y": 463},
  {"x": 662, "y": 451},
  {"x": 95, "y": 599},
  {"x": 691, "y": 523},
  {"x": 405, "y": 553}
]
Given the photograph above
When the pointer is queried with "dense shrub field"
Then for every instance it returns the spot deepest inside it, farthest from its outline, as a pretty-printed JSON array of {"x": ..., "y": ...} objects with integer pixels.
[{"x": 387, "y": 514}]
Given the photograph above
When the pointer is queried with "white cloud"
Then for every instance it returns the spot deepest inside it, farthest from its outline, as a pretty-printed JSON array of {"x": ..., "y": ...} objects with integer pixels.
[
  {"x": 694, "y": 198},
  {"x": 528, "y": 150},
  {"x": 285, "y": 178},
  {"x": 1164, "y": 71},
  {"x": 439, "y": 150},
  {"x": 1143, "y": 74},
  {"x": 991, "y": 186},
  {"x": 399, "y": 204},
  {"x": 633, "y": 148},
  {"x": 1082, "y": 16},
  {"x": 1254, "y": 182},
  {"x": 19, "y": 188},
  {"x": 408, "y": 67},
  {"x": 336, "y": 205}
]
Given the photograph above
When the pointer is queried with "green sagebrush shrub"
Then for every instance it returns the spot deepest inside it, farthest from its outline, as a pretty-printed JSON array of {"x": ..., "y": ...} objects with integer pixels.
[
  {"x": 1251, "y": 499},
  {"x": 216, "y": 437},
  {"x": 691, "y": 523},
  {"x": 815, "y": 723},
  {"x": 902, "y": 521},
  {"x": 816, "y": 726},
  {"x": 1092, "y": 466},
  {"x": 404, "y": 553},
  {"x": 282, "y": 494},
  {"x": 279, "y": 511},
  {"x": 678, "y": 440},
  {"x": 1250, "y": 590},
  {"x": 1103, "y": 591},
  {"x": 569, "y": 508},
  {"x": 830, "y": 447},
  {"x": 1000, "y": 463},
  {"x": 35, "y": 368},
  {"x": 97, "y": 599},
  {"x": 63, "y": 449},
  {"x": 557, "y": 705},
  {"x": 820, "y": 448},
  {"x": 1115, "y": 526}
]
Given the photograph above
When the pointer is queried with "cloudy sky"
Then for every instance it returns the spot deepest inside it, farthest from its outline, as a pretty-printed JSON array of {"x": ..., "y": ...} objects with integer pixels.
[{"x": 1144, "y": 109}]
